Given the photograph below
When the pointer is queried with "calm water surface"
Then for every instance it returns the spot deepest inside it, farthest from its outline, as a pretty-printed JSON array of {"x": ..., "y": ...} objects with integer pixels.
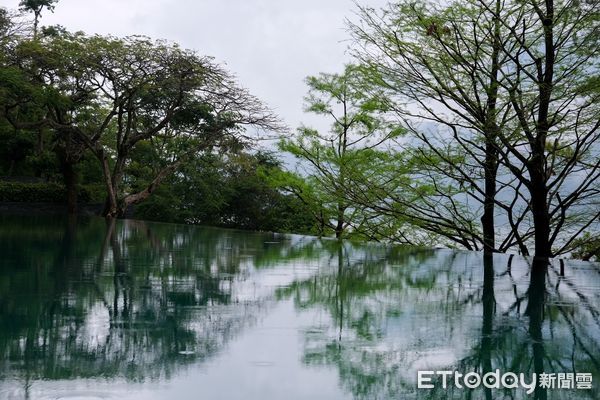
[{"x": 133, "y": 310}]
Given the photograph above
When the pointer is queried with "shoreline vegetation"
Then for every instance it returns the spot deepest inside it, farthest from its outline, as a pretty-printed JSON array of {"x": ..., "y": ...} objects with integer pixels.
[{"x": 466, "y": 124}]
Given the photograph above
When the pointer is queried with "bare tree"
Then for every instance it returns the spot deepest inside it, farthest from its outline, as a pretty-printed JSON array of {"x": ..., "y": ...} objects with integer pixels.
[
  {"x": 553, "y": 90},
  {"x": 515, "y": 86},
  {"x": 441, "y": 65}
]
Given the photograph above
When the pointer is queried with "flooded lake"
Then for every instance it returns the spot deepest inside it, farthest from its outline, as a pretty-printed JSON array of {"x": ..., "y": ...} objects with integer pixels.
[{"x": 91, "y": 309}]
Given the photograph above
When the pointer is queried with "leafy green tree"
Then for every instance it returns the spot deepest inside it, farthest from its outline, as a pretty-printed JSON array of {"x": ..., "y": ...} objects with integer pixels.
[
  {"x": 36, "y": 7},
  {"x": 109, "y": 95},
  {"x": 223, "y": 189},
  {"x": 22, "y": 149},
  {"x": 326, "y": 159},
  {"x": 40, "y": 157}
]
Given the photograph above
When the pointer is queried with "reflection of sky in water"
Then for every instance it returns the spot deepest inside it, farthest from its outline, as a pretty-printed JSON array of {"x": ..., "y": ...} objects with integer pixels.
[{"x": 157, "y": 311}]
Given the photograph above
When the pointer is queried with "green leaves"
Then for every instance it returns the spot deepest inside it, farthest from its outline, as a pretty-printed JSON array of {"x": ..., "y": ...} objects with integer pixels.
[
  {"x": 114, "y": 96},
  {"x": 36, "y": 6},
  {"x": 331, "y": 163},
  {"x": 232, "y": 190}
]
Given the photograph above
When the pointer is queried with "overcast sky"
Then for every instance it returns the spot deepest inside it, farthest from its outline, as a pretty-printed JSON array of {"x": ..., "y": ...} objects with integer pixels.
[{"x": 271, "y": 45}]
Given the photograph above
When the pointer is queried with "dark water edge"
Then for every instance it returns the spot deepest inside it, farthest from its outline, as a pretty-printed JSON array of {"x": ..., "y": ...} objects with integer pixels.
[{"x": 131, "y": 310}]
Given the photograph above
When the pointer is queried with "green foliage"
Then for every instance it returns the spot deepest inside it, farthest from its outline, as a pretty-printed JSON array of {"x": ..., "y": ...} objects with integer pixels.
[
  {"x": 37, "y": 5},
  {"x": 43, "y": 192},
  {"x": 164, "y": 206},
  {"x": 329, "y": 162},
  {"x": 223, "y": 190},
  {"x": 139, "y": 106},
  {"x": 587, "y": 247},
  {"x": 94, "y": 193},
  {"x": 15, "y": 148}
]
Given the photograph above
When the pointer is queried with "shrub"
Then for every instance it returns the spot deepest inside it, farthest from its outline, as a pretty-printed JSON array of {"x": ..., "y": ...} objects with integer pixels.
[
  {"x": 46, "y": 192},
  {"x": 94, "y": 192}
]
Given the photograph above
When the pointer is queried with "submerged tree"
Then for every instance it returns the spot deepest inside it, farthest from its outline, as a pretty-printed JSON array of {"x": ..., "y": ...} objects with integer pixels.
[
  {"x": 439, "y": 67},
  {"x": 553, "y": 89},
  {"x": 514, "y": 85}
]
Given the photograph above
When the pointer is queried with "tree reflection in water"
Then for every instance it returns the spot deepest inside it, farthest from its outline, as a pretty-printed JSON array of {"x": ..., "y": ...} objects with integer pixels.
[
  {"x": 95, "y": 298},
  {"x": 396, "y": 314},
  {"x": 135, "y": 301}
]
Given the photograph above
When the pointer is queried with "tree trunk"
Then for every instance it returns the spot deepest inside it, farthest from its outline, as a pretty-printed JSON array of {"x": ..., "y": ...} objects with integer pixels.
[
  {"x": 36, "y": 22},
  {"x": 339, "y": 228},
  {"x": 491, "y": 151},
  {"x": 135, "y": 198},
  {"x": 70, "y": 179},
  {"x": 11, "y": 168},
  {"x": 108, "y": 210},
  {"x": 538, "y": 165},
  {"x": 110, "y": 205},
  {"x": 487, "y": 220},
  {"x": 541, "y": 216}
]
